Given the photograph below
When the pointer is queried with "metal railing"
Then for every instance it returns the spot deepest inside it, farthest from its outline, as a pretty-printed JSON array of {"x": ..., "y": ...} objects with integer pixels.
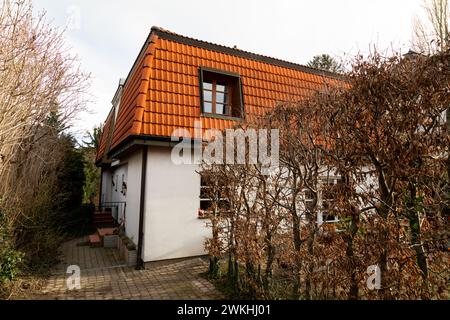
[{"x": 117, "y": 209}]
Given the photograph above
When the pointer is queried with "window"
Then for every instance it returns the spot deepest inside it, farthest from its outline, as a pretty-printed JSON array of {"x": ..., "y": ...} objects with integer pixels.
[
  {"x": 211, "y": 195},
  {"x": 325, "y": 199},
  {"x": 309, "y": 200},
  {"x": 327, "y": 191},
  {"x": 221, "y": 94}
]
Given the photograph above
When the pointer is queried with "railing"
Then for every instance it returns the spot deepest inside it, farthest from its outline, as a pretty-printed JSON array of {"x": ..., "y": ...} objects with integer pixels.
[{"x": 117, "y": 209}]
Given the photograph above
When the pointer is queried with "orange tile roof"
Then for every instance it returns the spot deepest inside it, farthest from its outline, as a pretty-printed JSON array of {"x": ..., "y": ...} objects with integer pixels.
[
  {"x": 161, "y": 93},
  {"x": 105, "y": 139}
]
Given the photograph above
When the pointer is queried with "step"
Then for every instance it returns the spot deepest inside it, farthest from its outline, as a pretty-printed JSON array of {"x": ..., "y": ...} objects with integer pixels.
[
  {"x": 102, "y": 216},
  {"x": 105, "y": 231},
  {"x": 103, "y": 219},
  {"x": 102, "y": 212},
  {"x": 105, "y": 224},
  {"x": 95, "y": 241},
  {"x": 101, "y": 224}
]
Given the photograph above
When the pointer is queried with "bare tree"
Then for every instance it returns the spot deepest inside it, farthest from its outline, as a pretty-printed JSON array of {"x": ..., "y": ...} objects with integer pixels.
[
  {"x": 381, "y": 139},
  {"x": 38, "y": 80},
  {"x": 41, "y": 90},
  {"x": 432, "y": 34}
]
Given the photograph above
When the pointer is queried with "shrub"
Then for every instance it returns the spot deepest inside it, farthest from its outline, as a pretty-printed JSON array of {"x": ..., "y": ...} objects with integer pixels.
[{"x": 10, "y": 261}]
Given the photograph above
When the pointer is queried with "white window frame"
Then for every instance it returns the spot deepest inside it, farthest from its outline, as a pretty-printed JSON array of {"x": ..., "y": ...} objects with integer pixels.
[
  {"x": 207, "y": 199},
  {"x": 320, "y": 214}
]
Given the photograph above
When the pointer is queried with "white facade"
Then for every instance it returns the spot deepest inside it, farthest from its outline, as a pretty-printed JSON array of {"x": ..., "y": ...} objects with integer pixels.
[
  {"x": 133, "y": 196},
  {"x": 171, "y": 227}
]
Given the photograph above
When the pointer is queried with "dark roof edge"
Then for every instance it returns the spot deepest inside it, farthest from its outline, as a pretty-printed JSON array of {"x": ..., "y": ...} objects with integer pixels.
[
  {"x": 132, "y": 140},
  {"x": 241, "y": 53},
  {"x": 141, "y": 52}
]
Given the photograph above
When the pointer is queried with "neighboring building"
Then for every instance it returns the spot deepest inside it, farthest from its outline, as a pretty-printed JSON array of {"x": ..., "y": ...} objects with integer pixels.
[{"x": 174, "y": 82}]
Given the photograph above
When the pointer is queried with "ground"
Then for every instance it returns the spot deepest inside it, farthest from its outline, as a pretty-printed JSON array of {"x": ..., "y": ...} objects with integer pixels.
[{"x": 103, "y": 276}]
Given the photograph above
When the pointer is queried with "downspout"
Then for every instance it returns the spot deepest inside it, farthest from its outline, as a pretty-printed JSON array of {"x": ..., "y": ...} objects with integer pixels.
[{"x": 139, "y": 260}]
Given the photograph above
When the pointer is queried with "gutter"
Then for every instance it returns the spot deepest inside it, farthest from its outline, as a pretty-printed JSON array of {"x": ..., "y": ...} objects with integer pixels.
[{"x": 139, "y": 260}]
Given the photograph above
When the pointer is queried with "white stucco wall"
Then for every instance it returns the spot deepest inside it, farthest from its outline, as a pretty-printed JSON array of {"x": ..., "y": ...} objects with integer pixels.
[
  {"x": 119, "y": 174},
  {"x": 172, "y": 228},
  {"x": 133, "y": 196},
  {"x": 106, "y": 186},
  {"x": 129, "y": 170}
]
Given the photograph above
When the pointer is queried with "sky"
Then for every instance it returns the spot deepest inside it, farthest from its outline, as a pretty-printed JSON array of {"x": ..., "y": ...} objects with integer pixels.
[{"x": 107, "y": 35}]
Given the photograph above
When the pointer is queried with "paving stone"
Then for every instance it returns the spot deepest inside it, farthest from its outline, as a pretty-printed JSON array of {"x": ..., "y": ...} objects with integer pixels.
[{"x": 103, "y": 276}]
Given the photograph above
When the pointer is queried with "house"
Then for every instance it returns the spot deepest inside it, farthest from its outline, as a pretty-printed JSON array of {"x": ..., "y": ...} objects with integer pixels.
[{"x": 175, "y": 82}]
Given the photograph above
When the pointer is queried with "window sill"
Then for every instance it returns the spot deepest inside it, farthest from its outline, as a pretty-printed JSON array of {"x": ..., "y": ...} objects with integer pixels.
[
  {"x": 203, "y": 214},
  {"x": 222, "y": 117}
]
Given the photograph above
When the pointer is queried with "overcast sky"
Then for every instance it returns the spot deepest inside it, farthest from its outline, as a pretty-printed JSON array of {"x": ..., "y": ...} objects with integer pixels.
[{"x": 108, "y": 34}]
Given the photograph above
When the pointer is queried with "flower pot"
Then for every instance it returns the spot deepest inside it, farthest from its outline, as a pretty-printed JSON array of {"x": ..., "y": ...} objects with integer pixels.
[{"x": 130, "y": 257}]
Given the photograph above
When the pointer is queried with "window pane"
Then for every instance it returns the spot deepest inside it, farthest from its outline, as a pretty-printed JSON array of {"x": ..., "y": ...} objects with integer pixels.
[
  {"x": 204, "y": 193},
  {"x": 221, "y": 87},
  {"x": 220, "y": 108},
  {"x": 207, "y": 95},
  {"x": 207, "y": 85},
  {"x": 207, "y": 107},
  {"x": 205, "y": 205},
  {"x": 221, "y": 98}
]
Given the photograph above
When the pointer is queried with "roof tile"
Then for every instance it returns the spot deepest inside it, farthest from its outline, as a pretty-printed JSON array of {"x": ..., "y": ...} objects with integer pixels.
[{"x": 162, "y": 90}]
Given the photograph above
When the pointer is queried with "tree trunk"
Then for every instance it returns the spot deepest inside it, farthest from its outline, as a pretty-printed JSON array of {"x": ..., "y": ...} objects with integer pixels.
[
  {"x": 353, "y": 292},
  {"x": 414, "y": 223},
  {"x": 297, "y": 266},
  {"x": 214, "y": 269},
  {"x": 310, "y": 267},
  {"x": 267, "y": 280}
]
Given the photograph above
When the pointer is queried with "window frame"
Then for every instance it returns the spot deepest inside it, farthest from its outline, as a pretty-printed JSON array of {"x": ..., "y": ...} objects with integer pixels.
[
  {"x": 206, "y": 212},
  {"x": 228, "y": 116},
  {"x": 322, "y": 211},
  {"x": 322, "y": 216}
]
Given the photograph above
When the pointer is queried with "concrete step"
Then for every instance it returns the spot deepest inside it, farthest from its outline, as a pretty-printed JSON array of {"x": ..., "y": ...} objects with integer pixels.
[
  {"x": 107, "y": 224},
  {"x": 102, "y": 215},
  {"x": 103, "y": 219},
  {"x": 105, "y": 231}
]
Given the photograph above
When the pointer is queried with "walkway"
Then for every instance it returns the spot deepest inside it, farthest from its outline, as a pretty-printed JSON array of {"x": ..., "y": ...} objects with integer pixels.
[{"x": 103, "y": 276}]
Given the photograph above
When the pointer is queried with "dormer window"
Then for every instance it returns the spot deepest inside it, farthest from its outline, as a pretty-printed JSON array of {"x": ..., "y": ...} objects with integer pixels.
[{"x": 221, "y": 94}]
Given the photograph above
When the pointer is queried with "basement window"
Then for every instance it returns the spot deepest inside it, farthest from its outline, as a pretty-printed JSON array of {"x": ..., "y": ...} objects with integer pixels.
[{"x": 221, "y": 94}]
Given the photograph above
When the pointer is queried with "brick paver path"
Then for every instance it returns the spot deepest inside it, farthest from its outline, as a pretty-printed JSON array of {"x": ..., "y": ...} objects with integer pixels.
[{"x": 103, "y": 276}]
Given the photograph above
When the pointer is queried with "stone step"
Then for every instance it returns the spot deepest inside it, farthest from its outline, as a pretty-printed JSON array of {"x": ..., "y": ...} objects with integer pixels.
[
  {"x": 102, "y": 216},
  {"x": 103, "y": 219},
  {"x": 107, "y": 224},
  {"x": 105, "y": 231}
]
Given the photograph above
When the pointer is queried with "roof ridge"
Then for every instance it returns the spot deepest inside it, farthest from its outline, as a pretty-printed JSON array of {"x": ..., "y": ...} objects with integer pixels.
[{"x": 252, "y": 55}]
